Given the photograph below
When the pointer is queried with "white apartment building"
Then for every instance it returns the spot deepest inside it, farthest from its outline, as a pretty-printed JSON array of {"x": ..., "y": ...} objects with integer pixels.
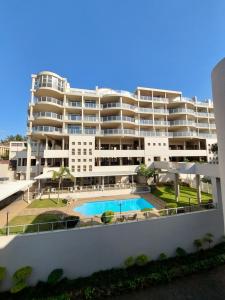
[{"x": 105, "y": 134}]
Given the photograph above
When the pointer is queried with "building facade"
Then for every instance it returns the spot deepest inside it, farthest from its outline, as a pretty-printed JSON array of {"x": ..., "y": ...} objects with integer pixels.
[{"x": 105, "y": 134}]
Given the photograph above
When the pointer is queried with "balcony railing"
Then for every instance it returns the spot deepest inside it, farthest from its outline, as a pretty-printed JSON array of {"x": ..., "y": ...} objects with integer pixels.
[
  {"x": 91, "y": 118},
  {"x": 147, "y": 122},
  {"x": 117, "y": 118},
  {"x": 205, "y": 125},
  {"x": 182, "y": 122},
  {"x": 118, "y": 132},
  {"x": 46, "y": 129},
  {"x": 154, "y": 133},
  {"x": 74, "y": 118},
  {"x": 48, "y": 100},
  {"x": 46, "y": 114},
  {"x": 181, "y": 110},
  {"x": 91, "y": 105},
  {"x": 74, "y": 104}
]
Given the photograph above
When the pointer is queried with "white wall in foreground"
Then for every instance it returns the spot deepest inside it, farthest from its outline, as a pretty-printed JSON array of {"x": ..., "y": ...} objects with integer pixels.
[{"x": 80, "y": 252}]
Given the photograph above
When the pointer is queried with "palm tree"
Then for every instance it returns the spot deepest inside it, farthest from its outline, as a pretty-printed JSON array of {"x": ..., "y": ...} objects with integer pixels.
[
  {"x": 63, "y": 173},
  {"x": 146, "y": 172},
  {"x": 208, "y": 238},
  {"x": 198, "y": 244}
]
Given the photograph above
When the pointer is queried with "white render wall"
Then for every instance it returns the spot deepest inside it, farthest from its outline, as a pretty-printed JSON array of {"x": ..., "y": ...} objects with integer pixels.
[{"x": 80, "y": 252}]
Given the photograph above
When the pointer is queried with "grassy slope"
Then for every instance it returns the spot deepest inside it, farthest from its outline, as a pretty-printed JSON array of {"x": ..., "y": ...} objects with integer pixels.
[
  {"x": 45, "y": 203},
  {"x": 166, "y": 193}
]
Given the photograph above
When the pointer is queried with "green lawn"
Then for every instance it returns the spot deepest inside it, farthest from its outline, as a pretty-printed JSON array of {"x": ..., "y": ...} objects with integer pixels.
[
  {"x": 45, "y": 203},
  {"x": 32, "y": 220},
  {"x": 167, "y": 194}
]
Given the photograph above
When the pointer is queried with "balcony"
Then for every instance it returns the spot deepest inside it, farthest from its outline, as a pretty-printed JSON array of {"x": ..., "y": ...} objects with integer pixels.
[
  {"x": 119, "y": 106},
  {"x": 117, "y": 118},
  {"x": 187, "y": 153},
  {"x": 46, "y": 114},
  {"x": 92, "y": 106},
  {"x": 202, "y": 114},
  {"x": 74, "y": 104},
  {"x": 181, "y": 111},
  {"x": 56, "y": 153},
  {"x": 154, "y": 99},
  {"x": 145, "y": 110},
  {"x": 48, "y": 129},
  {"x": 145, "y": 122},
  {"x": 73, "y": 118},
  {"x": 155, "y": 133},
  {"x": 160, "y": 111},
  {"x": 48, "y": 100},
  {"x": 119, "y": 153},
  {"x": 86, "y": 131},
  {"x": 182, "y": 123},
  {"x": 119, "y": 132},
  {"x": 161, "y": 123},
  {"x": 202, "y": 125},
  {"x": 91, "y": 119}
]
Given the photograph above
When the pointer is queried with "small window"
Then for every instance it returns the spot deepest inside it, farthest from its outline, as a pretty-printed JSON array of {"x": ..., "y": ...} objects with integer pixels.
[
  {"x": 164, "y": 144},
  {"x": 149, "y": 159},
  {"x": 149, "y": 144},
  {"x": 78, "y": 168},
  {"x": 73, "y": 160},
  {"x": 73, "y": 151},
  {"x": 153, "y": 144},
  {"x": 85, "y": 151},
  {"x": 73, "y": 168},
  {"x": 90, "y": 168},
  {"x": 85, "y": 143},
  {"x": 78, "y": 159},
  {"x": 79, "y": 151},
  {"x": 84, "y": 160},
  {"x": 90, "y": 143},
  {"x": 90, "y": 151},
  {"x": 79, "y": 143},
  {"x": 90, "y": 159},
  {"x": 84, "y": 168},
  {"x": 159, "y": 144},
  {"x": 164, "y": 159},
  {"x": 73, "y": 143}
]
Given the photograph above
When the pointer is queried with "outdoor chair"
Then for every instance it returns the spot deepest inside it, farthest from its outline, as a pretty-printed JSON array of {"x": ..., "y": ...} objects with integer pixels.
[{"x": 133, "y": 217}]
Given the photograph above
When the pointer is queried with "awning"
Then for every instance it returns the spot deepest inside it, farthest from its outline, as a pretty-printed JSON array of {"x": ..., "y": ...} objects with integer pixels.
[
  {"x": 48, "y": 175},
  {"x": 8, "y": 188}
]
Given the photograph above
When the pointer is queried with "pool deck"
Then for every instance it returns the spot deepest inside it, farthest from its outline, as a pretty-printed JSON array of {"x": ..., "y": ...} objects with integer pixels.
[{"x": 68, "y": 210}]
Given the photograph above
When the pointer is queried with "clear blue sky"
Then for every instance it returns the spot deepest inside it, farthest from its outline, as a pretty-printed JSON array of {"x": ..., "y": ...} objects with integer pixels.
[{"x": 171, "y": 44}]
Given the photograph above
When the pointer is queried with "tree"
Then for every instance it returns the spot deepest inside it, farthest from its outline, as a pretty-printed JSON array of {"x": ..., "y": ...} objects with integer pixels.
[
  {"x": 208, "y": 238},
  {"x": 198, "y": 243},
  {"x": 214, "y": 148},
  {"x": 17, "y": 137},
  {"x": 146, "y": 172},
  {"x": 63, "y": 173}
]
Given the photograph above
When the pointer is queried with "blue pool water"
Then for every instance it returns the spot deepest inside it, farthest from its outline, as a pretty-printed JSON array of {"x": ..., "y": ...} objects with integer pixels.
[{"x": 98, "y": 207}]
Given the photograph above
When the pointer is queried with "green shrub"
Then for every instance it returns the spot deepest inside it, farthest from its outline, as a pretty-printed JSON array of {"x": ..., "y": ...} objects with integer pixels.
[
  {"x": 2, "y": 273},
  {"x": 208, "y": 238},
  {"x": 55, "y": 276},
  {"x": 72, "y": 221},
  {"x": 146, "y": 209},
  {"x": 107, "y": 216},
  {"x": 171, "y": 205},
  {"x": 198, "y": 243},
  {"x": 141, "y": 260},
  {"x": 129, "y": 262},
  {"x": 19, "y": 279},
  {"x": 180, "y": 252},
  {"x": 162, "y": 256}
]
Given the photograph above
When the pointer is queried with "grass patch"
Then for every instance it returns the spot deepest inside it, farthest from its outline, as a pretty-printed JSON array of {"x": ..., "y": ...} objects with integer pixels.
[
  {"x": 45, "y": 203},
  {"x": 31, "y": 223},
  {"x": 167, "y": 194}
]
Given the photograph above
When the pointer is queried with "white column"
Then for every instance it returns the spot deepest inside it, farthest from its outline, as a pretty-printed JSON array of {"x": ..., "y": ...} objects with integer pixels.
[
  {"x": 28, "y": 159},
  {"x": 198, "y": 187}
]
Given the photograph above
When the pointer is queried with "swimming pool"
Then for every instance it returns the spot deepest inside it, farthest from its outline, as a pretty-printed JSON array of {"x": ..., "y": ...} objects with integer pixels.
[{"x": 124, "y": 205}]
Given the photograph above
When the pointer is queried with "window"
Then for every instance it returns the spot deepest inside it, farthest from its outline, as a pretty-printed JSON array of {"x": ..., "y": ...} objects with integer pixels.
[
  {"x": 73, "y": 168},
  {"x": 73, "y": 151},
  {"x": 164, "y": 144},
  {"x": 84, "y": 160},
  {"x": 149, "y": 144},
  {"x": 73, "y": 160},
  {"x": 159, "y": 144},
  {"x": 33, "y": 162},
  {"x": 90, "y": 168},
  {"x": 85, "y": 143},
  {"x": 73, "y": 143},
  {"x": 78, "y": 160},
  {"x": 153, "y": 144},
  {"x": 79, "y": 151},
  {"x": 90, "y": 151},
  {"x": 149, "y": 159},
  {"x": 164, "y": 159},
  {"x": 90, "y": 159},
  {"x": 84, "y": 168},
  {"x": 85, "y": 151},
  {"x": 90, "y": 143},
  {"x": 78, "y": 168},
  {"x": 79, "y": 143}
]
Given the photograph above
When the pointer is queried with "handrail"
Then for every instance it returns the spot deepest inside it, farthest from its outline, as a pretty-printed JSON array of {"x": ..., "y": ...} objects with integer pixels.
[{"x": 134, "y": 216}]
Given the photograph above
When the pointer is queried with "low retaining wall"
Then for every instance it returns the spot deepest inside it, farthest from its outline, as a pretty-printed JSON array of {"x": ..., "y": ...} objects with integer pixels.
[{"x": 80, "y": 252}]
